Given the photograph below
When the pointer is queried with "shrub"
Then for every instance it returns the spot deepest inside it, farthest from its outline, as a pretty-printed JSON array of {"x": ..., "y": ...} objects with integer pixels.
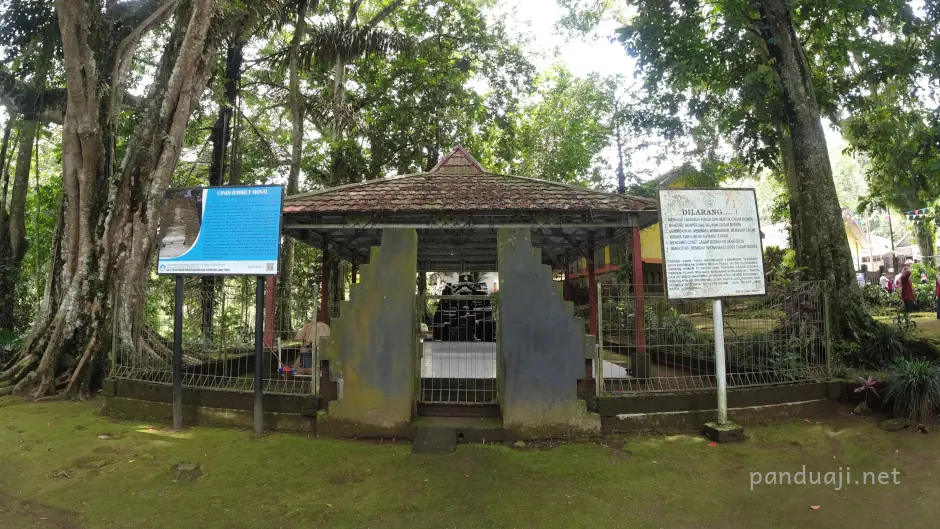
[
  {"x": 787, "y": 270},
  {"x": 867, "y": 387},
  {"x": 666, "y": 326},
  {"x": 881, "y": 345},
  {"x": 875, "y": 296},
  {"x": 914, "y": 387},
  {"x": 924, "y": 297},
  {"x": 774, "y": 257}
]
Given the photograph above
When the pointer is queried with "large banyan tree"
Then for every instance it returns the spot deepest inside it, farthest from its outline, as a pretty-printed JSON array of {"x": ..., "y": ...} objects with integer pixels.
[{"x": 112, "y": 180}]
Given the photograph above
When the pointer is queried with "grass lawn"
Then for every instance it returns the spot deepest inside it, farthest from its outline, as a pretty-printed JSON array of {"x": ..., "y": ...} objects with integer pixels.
[
  {"x": 928, "y": 326},
  {"x": 58, "y": 473}
]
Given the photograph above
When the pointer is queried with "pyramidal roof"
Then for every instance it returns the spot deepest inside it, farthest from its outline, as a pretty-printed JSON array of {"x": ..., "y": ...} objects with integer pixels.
[{"x": 459, "y": 183}]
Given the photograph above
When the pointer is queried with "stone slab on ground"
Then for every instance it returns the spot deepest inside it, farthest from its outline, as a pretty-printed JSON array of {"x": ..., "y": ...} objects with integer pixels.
[
  {"x": 724, "y": 433},
  {"x": 430, "y": 440},
  {"x": 466, "y": 429}
]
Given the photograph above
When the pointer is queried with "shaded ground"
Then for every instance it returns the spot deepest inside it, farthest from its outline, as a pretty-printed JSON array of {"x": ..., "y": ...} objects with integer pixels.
[{"x": 57, "y": 466}]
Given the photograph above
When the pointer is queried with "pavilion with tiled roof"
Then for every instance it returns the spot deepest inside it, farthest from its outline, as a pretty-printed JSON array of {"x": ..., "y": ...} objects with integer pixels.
[{"x": 522, "y": 353}]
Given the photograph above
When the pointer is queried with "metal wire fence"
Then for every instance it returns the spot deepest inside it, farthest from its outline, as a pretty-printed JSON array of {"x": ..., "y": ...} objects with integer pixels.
[
  {"x": 457, "y": 349},
  {"x": 218, "y": 338},
  {"x": 778, "y": 338}
]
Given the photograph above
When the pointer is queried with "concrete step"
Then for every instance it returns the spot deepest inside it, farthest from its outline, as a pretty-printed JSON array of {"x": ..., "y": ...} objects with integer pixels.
[
  {"x": 434, "y": 440},
  {"x": 458, "y": 410},
  {"x": 464, "y": 429}
]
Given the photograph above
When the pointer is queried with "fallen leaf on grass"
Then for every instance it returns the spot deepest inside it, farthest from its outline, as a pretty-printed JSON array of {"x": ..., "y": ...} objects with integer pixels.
[
  {"x": 815, "y": 507},
  {"x": 713, "y": 444},
  {"x": 805, "y": 420}
]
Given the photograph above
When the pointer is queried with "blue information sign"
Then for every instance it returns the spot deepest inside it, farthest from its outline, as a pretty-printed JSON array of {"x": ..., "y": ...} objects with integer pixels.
[{"x": 221, "y": 231}]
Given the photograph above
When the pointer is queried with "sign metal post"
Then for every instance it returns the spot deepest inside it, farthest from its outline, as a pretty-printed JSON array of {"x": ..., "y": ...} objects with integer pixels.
[
  {"x": 712, "y": 250},
  {"x": 259, "y": 357},
  {"x": 178, "y": 355},
  {"x": 719, "y": 323},
  {"x": 221, "y": 231}
]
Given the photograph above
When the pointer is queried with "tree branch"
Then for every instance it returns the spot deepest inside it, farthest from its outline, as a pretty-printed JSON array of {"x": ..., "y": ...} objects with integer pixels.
[
  {"x": 133, "y": 12},
  {"x": 33, "y": 103},
  {"x": 44, "y": 106},
  {"x": 128, "y": 47},
  {"x": 353, "y": 11},
  {"x": 384, "y": 13}
]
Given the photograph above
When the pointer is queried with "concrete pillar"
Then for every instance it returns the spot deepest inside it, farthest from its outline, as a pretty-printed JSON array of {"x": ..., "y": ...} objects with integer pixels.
[
  {"x": 325, "y": 284},
  {"x": 542, "y": 346}
]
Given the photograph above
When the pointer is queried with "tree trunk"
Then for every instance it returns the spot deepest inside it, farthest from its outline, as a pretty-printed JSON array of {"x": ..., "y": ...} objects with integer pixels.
[
  {"x": 233, "y": 75},
  {"x": 824, "y": 247},
  {"x": 5, "y": 171},
  {"x": 285, "y": 295},
  {"x": 926, "y": 235},
  {"x": 220, "y": 138},
  {"x": 13, "y": 241},
  {"x": 797, "y": 223},
  {"x": 107, "y": 223}
]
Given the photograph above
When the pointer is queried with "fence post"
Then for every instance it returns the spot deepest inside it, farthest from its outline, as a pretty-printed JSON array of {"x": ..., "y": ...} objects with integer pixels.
[
  {"x": 827, "y": 328},
  {"x": 599, "y": 348}
]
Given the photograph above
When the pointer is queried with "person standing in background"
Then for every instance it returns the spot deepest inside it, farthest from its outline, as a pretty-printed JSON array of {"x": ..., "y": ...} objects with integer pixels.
[
  {"x": 907, "y": 290},
  {"x": 884, "y": 281},
  {"x": 923, "y": 278},
  {"x": 938, "y": 295}
]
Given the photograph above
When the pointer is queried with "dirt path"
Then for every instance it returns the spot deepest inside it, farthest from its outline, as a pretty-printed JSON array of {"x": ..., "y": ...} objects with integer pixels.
[{"x": 40, "y": 515}]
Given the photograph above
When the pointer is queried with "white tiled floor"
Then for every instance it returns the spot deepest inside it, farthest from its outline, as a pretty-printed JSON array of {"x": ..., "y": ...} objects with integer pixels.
[
  {"x": 459, "y": 360},
  {"x": 475, "y": 360}
]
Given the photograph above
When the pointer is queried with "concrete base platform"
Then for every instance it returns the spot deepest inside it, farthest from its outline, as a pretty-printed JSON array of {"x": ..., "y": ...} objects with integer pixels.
[
  {"x": 160, "y": 412},
  {"x": 724, "y": 433},
  {"x": 691, "y": 421},
  {"x": 331, "y": 426}
]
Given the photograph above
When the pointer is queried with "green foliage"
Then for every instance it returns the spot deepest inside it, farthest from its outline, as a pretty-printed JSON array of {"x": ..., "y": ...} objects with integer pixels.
[
  {"x": 665, "y": 326},
  {"x": 876, "y": 298},
  {"x": 883, "y": 343},
  {"x": 924, "y": 268},
  {"x": 10, "y": 342},
  {"x": 914, "y": 388},
  {"x": 787, "y": 271},
  {"x": 925, "y": 296},
  {"x": 561, "y": 137},
  {"x": 774, "y": 256}
]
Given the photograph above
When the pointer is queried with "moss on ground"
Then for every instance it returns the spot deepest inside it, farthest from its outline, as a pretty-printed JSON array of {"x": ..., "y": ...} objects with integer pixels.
[{"x": 55, "y": 462}]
